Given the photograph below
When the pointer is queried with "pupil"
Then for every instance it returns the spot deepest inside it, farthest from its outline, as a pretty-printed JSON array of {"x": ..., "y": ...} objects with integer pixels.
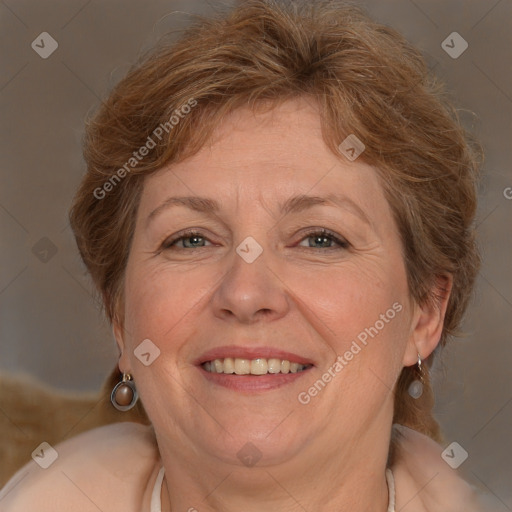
[
  {"x": 194, "y": 239},
  {"x": 322, "y": 240}
]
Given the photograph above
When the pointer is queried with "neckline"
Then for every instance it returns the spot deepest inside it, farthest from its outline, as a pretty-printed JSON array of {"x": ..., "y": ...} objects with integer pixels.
[
  {"x": 156, "y": 500},
  {"x": 390, "y": 479}
]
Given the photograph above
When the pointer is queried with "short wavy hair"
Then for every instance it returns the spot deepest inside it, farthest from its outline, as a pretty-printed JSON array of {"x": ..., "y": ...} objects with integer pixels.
[{"x": 367, "y": 80}]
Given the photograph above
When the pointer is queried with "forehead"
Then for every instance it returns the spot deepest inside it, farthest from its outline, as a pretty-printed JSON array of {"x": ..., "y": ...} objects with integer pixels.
[{"x": 267, "y": 155}]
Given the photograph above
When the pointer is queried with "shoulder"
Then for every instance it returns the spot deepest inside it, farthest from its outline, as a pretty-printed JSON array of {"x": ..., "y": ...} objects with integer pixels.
[
  {"x": 93, "y": 469},
  {"x": 425, "y": 482}
]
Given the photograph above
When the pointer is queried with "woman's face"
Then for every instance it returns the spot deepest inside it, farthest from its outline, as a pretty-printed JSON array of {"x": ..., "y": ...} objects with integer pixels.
[{"x": 259, "y": 280}]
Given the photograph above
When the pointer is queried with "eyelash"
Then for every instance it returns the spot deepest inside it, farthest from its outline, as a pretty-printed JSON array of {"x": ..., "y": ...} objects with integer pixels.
[{"x": 343, "y": 244}]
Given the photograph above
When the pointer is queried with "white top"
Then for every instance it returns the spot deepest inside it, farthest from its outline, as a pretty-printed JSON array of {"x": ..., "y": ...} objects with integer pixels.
[
  {"x": 156, "y": 502},
  {"x": 390, "y": 479}
]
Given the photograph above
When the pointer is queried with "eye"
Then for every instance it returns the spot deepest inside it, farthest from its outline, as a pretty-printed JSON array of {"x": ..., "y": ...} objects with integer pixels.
[
  {"x": 188, "y": 240},
  {"x": 319, "y": 238},
  {"x": 325, "y": 239}
]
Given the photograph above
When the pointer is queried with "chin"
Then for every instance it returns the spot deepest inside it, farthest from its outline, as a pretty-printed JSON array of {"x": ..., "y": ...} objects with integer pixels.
[{"x": 266, "y": 444}]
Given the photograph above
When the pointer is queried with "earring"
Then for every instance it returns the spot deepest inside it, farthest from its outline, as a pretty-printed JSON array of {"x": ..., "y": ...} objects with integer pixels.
[
  {"x": 416, "y": 386},
  {"x": 124, "y": 395}
]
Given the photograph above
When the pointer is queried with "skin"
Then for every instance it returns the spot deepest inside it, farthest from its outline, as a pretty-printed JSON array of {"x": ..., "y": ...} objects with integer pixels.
[
  {"x": 329, "y": 454},
  {"x": 297, "y": 296}
]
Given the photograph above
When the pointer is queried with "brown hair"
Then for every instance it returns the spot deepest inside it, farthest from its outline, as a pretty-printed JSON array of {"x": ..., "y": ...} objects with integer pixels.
[{"x": 367, "y": 80}]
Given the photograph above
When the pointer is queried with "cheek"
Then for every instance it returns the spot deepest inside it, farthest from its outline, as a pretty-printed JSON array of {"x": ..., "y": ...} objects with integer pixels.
[
  {"x": 368, "y": 319},
  {"x": 363, "y": 316},
  {"x": 351, "y": 299},
  {"x": 338, "y": 304},
  {"x": 158, "y": 299}
]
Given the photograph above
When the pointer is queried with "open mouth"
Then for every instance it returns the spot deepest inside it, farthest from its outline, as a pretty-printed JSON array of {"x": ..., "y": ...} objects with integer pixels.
[{"x": 257, "y": 366}]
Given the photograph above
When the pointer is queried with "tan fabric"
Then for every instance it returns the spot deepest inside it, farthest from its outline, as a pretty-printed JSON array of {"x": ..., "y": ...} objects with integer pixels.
[{"x": 31, "y": 413}]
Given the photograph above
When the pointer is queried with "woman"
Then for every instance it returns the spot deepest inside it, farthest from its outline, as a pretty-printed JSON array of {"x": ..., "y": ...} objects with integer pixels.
[{"x": 278, "y": 213}]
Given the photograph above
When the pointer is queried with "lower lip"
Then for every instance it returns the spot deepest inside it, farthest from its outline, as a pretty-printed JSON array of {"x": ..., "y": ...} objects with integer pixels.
[{"x": 250, "y": 383}]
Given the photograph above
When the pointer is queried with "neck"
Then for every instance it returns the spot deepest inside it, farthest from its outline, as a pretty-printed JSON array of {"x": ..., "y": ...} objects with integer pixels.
[{"x": 352, "y": 479}]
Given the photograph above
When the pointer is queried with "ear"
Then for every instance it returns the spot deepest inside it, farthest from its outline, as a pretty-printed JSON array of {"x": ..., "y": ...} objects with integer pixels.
[{"x": 428, "y": 322}]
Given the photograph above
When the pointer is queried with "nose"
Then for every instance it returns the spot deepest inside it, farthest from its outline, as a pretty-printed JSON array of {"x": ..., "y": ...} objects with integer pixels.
[{"x": 250, "y": 292}]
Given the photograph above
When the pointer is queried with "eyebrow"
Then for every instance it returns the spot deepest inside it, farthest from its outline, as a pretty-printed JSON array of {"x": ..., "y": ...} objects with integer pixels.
[
  {"x": 198, "y": 204},
  {"x": 295, "y": 204}
]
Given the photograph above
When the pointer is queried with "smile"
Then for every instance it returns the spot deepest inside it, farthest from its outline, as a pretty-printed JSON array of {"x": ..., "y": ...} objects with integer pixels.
[{"x": 258, "y": 366}]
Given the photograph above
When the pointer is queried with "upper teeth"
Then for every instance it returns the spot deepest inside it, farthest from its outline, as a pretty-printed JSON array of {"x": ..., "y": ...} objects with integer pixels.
[{"x": 258, "y": 366}]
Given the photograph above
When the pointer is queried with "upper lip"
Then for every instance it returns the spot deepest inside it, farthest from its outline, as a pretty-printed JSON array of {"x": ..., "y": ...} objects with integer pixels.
[{"x": 253, "y": 352}]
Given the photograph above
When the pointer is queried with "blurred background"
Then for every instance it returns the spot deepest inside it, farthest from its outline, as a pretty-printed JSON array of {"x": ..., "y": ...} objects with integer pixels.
[{"x": 51, "y": 326}]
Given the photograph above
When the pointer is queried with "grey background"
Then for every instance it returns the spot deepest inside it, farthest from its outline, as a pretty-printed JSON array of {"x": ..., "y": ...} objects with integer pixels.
[{"x": 50, "y": 326}]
